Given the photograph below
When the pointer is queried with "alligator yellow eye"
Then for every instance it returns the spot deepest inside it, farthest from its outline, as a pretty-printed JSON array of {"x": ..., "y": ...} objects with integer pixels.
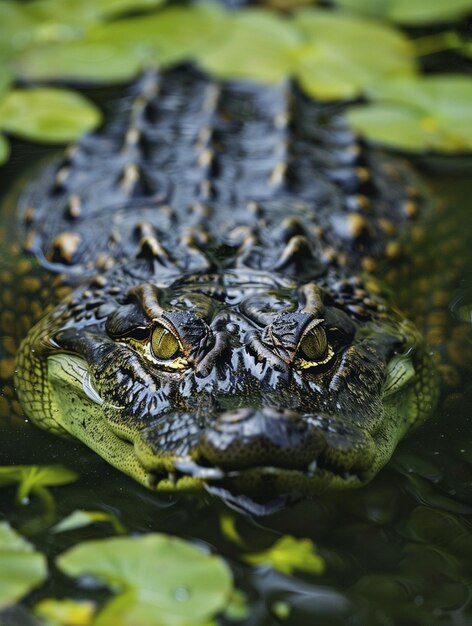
[
  {"x": 163, "y": 344},
  {"x": 314, "y": 344},
  {"x": 314, "y": 349}
]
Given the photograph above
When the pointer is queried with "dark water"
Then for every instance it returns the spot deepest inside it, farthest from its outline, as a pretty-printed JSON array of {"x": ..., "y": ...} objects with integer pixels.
[{"x": 397, "y": 552}]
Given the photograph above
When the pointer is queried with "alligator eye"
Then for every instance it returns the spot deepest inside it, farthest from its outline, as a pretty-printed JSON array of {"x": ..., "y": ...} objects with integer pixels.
[
  {"x": 164, "y": 344},
  {"x": 314, "y": 348},
  {"x": 314, "y": 344}
]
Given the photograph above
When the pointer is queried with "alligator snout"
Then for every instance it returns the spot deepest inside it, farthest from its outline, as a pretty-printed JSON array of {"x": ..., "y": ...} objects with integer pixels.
[{"x": 249, "y": 437}]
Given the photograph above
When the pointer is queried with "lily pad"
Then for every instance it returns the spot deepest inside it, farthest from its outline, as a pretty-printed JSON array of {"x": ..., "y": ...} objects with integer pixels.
[
  {"x": 260, "y": 45},
  {"x": 289, "y": 554},
  {"x": 161, "y": 580},
  {"x": 81, "y": 519},
  {"x": 429, "y": 113},
  {"x": 86, "y": 61},
  {"x": 117, "y": 51},
  {"x": 16, "y": 28},
  {"x": 168, "y": 36},
  {"x": 237, "y": 608},
  {"x": 337, "y": 60},
  {"x": 48, "y": 21},
  {"x": 4, "y": 149},
  {"x": 6, "y": 78},
  {"x": 411, "y": 12},
  {"x": 47, "y": 115},
  {"x": 22, "y": 568},
  {"x": 31, "y": 477},
  {"x": 86, "y": 11}
]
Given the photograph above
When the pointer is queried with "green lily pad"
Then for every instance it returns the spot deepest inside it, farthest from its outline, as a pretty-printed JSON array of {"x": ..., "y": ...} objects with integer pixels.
[
  {"x": 104, "y": 62},
  {"x": 259, "y": 45},
  {"x": 390, "y": 125},
  {"x": 289, "y": 554},
  {"x": 411, "y": 12},
  {"x": 22, "y": 568},
  {"x": 81, "y": 519},
  {"x": 161, "y": 580},
  {"x": 4, "y": 149},
  {"x": 76, "y": 12},
  {"x": 237, "y": 608},
  {"x": 47, "y": 115},
  {"x": 429, "y": 113},
  {"x": 23, "y": 24},
  {"x": 117, "y": 51},
  {"x": 16, "y": 28},
  {"x": 281, "y": 609},
  {"x": 337, "y": 60},
  {"x": 168, "y": 36},
  {"x": 6, "y": 78},
  {"x": 31, "y": 477}
]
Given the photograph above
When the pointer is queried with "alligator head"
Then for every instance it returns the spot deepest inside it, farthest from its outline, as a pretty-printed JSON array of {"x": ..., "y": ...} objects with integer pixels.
[{"x": 249, "y": 381}]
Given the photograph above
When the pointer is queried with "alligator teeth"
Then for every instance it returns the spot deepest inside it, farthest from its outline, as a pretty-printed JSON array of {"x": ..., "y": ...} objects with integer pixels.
[
  {"x": 187, "y": 466},
  {"x": 90, "y": 391}
]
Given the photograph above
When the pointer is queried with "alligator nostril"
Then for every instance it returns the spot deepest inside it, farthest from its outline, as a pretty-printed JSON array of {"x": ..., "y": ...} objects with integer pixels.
[{"x": 246, "y": 438}]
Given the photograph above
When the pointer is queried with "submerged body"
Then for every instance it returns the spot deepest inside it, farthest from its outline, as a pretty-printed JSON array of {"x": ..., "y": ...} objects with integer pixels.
[{"x": 224, "y": 326}]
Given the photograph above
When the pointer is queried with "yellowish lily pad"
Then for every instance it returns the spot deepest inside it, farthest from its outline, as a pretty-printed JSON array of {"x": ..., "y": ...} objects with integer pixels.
[
  {"x": 289, "y": 554},
  {"x": 65, "y": 612}
]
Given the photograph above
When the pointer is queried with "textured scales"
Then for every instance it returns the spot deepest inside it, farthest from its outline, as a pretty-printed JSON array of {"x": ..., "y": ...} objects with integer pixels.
[{"x": 225, "y": 328}]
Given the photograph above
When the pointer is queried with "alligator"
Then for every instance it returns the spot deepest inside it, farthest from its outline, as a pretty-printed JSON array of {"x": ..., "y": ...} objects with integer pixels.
[{"x": 214, "y": 318}]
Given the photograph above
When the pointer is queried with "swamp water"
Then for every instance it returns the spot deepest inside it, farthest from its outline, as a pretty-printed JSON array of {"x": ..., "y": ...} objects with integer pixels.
[{"x": 397, "y": 552}]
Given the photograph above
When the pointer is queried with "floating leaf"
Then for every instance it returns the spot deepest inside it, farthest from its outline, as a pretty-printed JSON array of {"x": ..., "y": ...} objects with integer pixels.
[
  {"x": 338, "y": 59},
  {"x": 31, "y": 477},
  {"x": 49, "y": 21},
  {"x": 16, "y": 28},
  {"x": 389, "y": 124},
  {"x": 429, "y": 113},
  {"x": 22, "y": 568},
  {"x": 229, "y": 530},
  {"x": 281, "y": 609},
  {"x": 119, "y": 50},
  {"x": 260, "y": 45},
  {"x": 65, "y": 612},
  {"x": 169, "y": 36},
  {"x": 80, "y": 519},
  {"x": 105, "y": 62},
  {"x": 48, "y": 115},
  {"x": 162, "y": 581},
  {"x": 6, "y": 78},
  {"x": 289, "y": 554},
  {"x": 85, "y": 12},
  {"x": 411, "y": 12},
  {"x": 4, "y": 149},
  {"x": 237, "y": 608}
]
